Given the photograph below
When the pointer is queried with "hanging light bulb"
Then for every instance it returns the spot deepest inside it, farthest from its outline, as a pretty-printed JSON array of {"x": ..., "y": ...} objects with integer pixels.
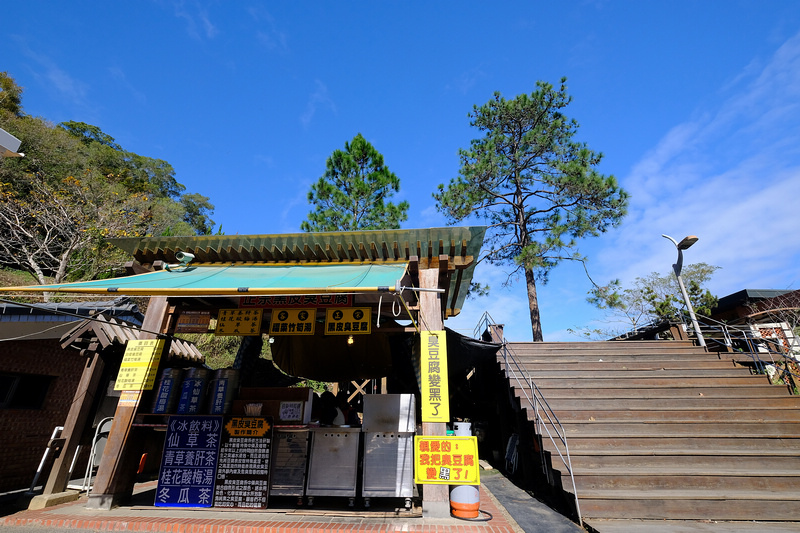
[{"x": 350, "y": 339}]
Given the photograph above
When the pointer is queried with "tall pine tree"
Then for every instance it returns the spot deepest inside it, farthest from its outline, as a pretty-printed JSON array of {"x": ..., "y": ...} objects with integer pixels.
[{"x": 353, "y": 193}]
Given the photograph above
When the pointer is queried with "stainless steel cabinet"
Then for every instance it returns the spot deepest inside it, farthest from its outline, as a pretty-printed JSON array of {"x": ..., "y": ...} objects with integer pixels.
[
  {"x": 333, "y": 464},
  {"x": 389, "y": 426},
  {"x": 289, "y": 462}
]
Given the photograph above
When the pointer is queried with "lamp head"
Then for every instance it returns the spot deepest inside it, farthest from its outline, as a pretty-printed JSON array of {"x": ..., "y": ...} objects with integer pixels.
[{"x": 687, "y": 242}]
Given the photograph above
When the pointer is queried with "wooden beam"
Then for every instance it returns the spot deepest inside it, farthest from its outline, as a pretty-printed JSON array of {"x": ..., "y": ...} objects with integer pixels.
[
  {"x": 79, "y": 412},
  {"x": 117, "y": 469},
  {"x": 444, "y": 281},
  {"x": 134, "y": 267},
  {"x": 435, "y": 498}
]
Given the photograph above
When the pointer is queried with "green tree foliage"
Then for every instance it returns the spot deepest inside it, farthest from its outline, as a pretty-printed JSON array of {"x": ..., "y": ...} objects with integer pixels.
[
  {"x": 535, "y": 186},
  {"x": 76, "y": 187},
  {"x": 10, "y": 95},
  {"x": 655, "y": 298},
  {"x": 353, "y": 193}
]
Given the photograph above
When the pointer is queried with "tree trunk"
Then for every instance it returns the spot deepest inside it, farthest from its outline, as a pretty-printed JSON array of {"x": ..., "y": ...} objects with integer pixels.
[{"x": 533, "y": 304}]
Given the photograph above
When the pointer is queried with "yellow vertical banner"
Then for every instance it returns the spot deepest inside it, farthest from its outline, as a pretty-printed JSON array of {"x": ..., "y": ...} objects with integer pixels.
[
  {"x": 433, "y": 373},
  {"x": 139, "y": 365}
]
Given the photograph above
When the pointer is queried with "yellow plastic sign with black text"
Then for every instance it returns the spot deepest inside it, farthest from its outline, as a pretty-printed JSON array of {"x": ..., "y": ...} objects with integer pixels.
[
  {"x": 348, "y": 321},
  {"x": 292, "y": 321},
  {"x": 139, "y": 365},
  {"x": 446, "y": 460},
  {"x": 433, "y": 373}
]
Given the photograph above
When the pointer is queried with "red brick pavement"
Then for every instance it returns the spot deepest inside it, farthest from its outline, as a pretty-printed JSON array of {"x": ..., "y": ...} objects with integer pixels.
[{"x": 75, "y": 515}]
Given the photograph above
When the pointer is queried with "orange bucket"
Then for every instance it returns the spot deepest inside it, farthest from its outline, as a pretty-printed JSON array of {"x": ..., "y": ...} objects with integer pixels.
[{"x": 465, "y": 501}]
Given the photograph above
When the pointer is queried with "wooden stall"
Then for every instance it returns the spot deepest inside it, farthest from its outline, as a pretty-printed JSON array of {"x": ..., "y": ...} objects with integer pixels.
[{"x": 344, "y": 307}]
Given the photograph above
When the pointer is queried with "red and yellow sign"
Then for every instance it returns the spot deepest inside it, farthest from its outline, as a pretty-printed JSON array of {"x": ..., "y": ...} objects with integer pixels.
[
  {"x": 139, "y": 365},
  {"x": 243, "y": 322},
  {"x": 446, "y": 460},
  {"x": 293, "y": 322},
  {"x": 193, "y": 322},
  {"x": 248, "y": 427},
  {"x": 348, "y": 321},
  {"x": 433, "y": 376}
]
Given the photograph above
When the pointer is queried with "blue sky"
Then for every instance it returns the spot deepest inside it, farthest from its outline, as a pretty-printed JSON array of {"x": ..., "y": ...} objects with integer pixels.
[{"x": 693, "y": 103}]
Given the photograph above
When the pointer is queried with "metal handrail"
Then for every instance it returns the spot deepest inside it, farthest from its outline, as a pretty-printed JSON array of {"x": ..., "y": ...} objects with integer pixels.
[
  {"x": 544, "y": 416},
  {"x": 747, "y": 336}
]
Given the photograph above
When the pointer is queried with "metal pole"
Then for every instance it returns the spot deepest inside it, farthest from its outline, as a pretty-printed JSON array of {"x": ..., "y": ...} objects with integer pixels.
[{"x": 677, "y": 269}]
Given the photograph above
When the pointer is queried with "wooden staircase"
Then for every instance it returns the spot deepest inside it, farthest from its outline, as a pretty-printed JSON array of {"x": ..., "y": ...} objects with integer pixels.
[{"x": 666, "y": 430}]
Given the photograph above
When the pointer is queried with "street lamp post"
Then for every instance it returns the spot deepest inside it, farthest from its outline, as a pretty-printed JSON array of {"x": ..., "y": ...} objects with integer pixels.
[{"x": 677, "y": 267}]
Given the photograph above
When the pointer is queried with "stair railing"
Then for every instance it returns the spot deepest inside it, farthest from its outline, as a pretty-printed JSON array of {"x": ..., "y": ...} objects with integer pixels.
[
  {"x": 545, "y": 420},
  {"x": 760, "y": 350}
]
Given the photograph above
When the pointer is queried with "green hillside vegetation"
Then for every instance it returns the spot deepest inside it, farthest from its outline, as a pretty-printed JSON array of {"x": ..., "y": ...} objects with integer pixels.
[{"x": 76, "y": 187}]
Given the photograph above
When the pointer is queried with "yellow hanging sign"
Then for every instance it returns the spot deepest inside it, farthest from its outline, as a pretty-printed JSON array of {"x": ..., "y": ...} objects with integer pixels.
[
  {"x": 242, "y": 322},
  {"x": 348, "y": 321},
  {"x": 292, "y": 321},
  {"x": 433, "y": 373},
  {"x": 139, "y": 365}
]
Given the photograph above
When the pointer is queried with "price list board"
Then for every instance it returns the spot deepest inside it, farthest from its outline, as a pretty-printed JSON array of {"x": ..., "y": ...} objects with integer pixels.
[
  {"x": 189, "y": 461},
  {"x": 244, "y": 459}
]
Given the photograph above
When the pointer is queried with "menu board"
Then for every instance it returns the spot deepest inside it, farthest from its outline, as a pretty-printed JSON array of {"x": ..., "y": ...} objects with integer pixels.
[
  {"x": 191, "y": 451},
  {"x": 139, "y": 364},
  {"x": 241, "y": 322},
  {"x": 244, "y": 459}
]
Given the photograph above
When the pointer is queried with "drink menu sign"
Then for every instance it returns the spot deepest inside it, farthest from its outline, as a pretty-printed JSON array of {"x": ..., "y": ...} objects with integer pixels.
[
  {"x": 189, "y": 462},
  {"x": 244, "y": 459}
]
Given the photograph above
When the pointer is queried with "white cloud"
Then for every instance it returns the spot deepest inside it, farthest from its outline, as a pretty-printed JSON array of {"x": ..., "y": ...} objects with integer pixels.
[
  {"x": 119, "y": 75},
  {"x": 198, "y": 22},
  {"x": 52, "y": 76},
  {"x": 730, "y": 175},
  {"x": 319, "y": 98},
  {"x": 268, "y": 34}
]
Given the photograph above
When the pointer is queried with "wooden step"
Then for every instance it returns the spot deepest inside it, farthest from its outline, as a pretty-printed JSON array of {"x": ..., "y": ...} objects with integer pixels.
[
  {"x": 660, "y": 364},
  {"x": 728, "y": 445},
  {"x": 649, "y": 346},
  {"x": 765, "y": 429},
  {"x": 770, "y": 403},
  {"x": 572, "y": 382},
  {"x": 690, "y": 504},
  {"x": 635, "y": 373},
  {"x": 620, "y": 479},
  {"x": 680, "y": 416},
  {"x": 753, "y": 462},
  {"x": 741, "y": 392},
  {"x": 663, "y": 430}
]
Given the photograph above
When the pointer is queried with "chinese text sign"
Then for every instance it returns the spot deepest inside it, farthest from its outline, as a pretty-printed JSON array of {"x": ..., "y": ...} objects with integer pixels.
[{"x": 433, "y": 371}]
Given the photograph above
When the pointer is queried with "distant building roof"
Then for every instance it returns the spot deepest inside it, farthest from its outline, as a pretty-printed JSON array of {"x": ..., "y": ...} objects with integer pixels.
[
  {"x": 52, "y": 320},
  {"x": 745, "y": 296}
]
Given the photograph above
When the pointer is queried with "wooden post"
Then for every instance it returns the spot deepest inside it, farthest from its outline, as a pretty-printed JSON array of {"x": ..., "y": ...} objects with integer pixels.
[
  {"x": 435, "y": 498},
  {"x": 76, "y": 420},
  {"x": 117, "y": 469}
]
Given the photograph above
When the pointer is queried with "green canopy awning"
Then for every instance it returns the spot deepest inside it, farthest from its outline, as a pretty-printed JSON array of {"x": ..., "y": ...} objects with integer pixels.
[{"x": 239, "y": 280}]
